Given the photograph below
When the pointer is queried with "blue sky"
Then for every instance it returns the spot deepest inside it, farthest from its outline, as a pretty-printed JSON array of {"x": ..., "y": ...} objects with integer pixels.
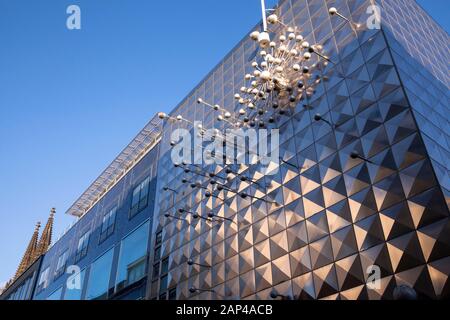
[{"x": 71, "y": 100}]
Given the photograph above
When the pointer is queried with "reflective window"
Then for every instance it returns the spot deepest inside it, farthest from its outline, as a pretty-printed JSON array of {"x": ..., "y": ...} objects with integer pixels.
[
  {"x": 74, "y": 286},
  {"x": 133, "y": 257},
  {"x": 56, "y": 295},
  {"x": 82, "y": 246},
  {"x": 158, "y": 240},
  {"x": 108, "y": 223},
  {"x": 165, "y": 266},
  {"x": 140, "y": 197},
  {"x": 156, "y": 270},
  {"x": 173, "y": 294},
  {"x": 163, "y": 284},
  {"x": 61, "y": 265},
  {"x": 98, "y": 283},
  {"x": 26, "y": 288}
]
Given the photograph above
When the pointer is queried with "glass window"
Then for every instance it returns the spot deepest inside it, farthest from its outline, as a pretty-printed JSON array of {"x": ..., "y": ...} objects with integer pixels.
[
  {"x": 158, "y": 238},
  {"x": 19, "y": 293},
  {"x": 98, "y": 283},
  {"x": 108, "y": 223},
  {"x": 173, "y": 294},
  {"x": 156, "y": 270},
  {"x": 74, "y": 286},
  {"x": 82, "y": 246},
  {"x": 43, "y": 279},
  {"x": 165, "y": 266},
  {"x": 163, "y": 296},
  {"x": 61, "y": 265},
  {"x": 56, "y": 295},
  {"x": 140, "y": 197},
  {"x": 163, "y": 284},
  {"x": 157, "y": 254},
  {"x": 26, "y": 287},
  {"x": 133, "y": 257}
]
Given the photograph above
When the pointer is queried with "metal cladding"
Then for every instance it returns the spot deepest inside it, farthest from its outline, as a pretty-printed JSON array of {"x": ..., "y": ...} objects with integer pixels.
[{"x": 357, "y": 190}]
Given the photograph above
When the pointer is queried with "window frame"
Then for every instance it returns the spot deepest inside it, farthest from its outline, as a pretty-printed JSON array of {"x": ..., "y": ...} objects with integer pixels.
[
  {"x": 82, "y": 252},
  {"x": 60, "y": 269},
  {"x": 172, "y": 294},
  {"x": 144, "y": 258},
  {"x": 141, "y": 191},
  {"x": 106, "y": 232}
]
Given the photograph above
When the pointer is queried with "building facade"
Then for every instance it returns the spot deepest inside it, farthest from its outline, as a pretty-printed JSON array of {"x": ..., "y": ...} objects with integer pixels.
[
  {"x": 361, "y": 189},
  {"x": 339, "y": 215}
]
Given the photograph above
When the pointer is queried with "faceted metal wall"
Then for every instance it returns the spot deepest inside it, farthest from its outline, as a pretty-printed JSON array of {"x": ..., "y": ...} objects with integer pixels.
[
  {"x": 421, "y": 66},
  {"x": 339, "y": 215}
]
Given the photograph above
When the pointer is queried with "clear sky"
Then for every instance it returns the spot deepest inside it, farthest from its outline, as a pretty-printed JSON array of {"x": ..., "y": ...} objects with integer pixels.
[{"x": 71, "y": 100}]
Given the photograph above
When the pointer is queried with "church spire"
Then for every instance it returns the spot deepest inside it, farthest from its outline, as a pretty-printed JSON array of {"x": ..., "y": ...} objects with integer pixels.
[
  {"x": 46, "y": 236},
  {"x": 30, "y": 254}
]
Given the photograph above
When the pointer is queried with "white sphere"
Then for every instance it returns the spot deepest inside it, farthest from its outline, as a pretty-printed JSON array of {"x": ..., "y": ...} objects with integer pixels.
[
  {"x": 251, "y": 105},
  {"x": 264, "y": 39},
  {"x": 162, "y": 115},
  {"x": 299, "y": 38},
  {"x": 256, "y": 73},
  {"x": 219, "y": 117},
  {"x": 264, "y": 64},
  {"x": 242, "y": 112},
  {"x": 282, "y": 38},
  {"x": 243, "y": 89},
  {"x": 254, "y": 64},
  {"x": 273, "y": 44},
  {"x": 305, "y": 44},
  {"x": 254, "y": 84},
  {"x": 179, "y": 118},
  {"x": 307, "y": 55},
  {"x": 254, "y": 35},
  {"x": 272, "y": 19},
  {"x": 237, "y": 96},
  {"x": 265, "y": 75},
  {"x": 248, "y": 76},
  {"x": 291, "y": 36},
  {"x": 255, "y": 91},
  {"x": 216, "y": 107},
  {"x": 294, "y": 52},
  {"x": 277, "y": 61},
  {"x": 282, "y": 48},
  {"x": 241, "y": 101},
  {"x": 227, "y": 115},
  {"x": 263, "y": 53},
  {"x": 279, "y": 69},
  {"x": 332, "y": 11},
  {"x": 290, "y": 29},
  {"x": 296, "y": 67}
]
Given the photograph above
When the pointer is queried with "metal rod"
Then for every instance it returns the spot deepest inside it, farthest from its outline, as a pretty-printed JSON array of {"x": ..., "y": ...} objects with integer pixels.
[{"x": 264, "y": 17}]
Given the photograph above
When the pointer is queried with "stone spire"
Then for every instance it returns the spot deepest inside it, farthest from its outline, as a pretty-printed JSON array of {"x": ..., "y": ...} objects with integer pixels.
[
  {"x": 46, "y": 236},
  {"x": 30, "y": 254}
]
